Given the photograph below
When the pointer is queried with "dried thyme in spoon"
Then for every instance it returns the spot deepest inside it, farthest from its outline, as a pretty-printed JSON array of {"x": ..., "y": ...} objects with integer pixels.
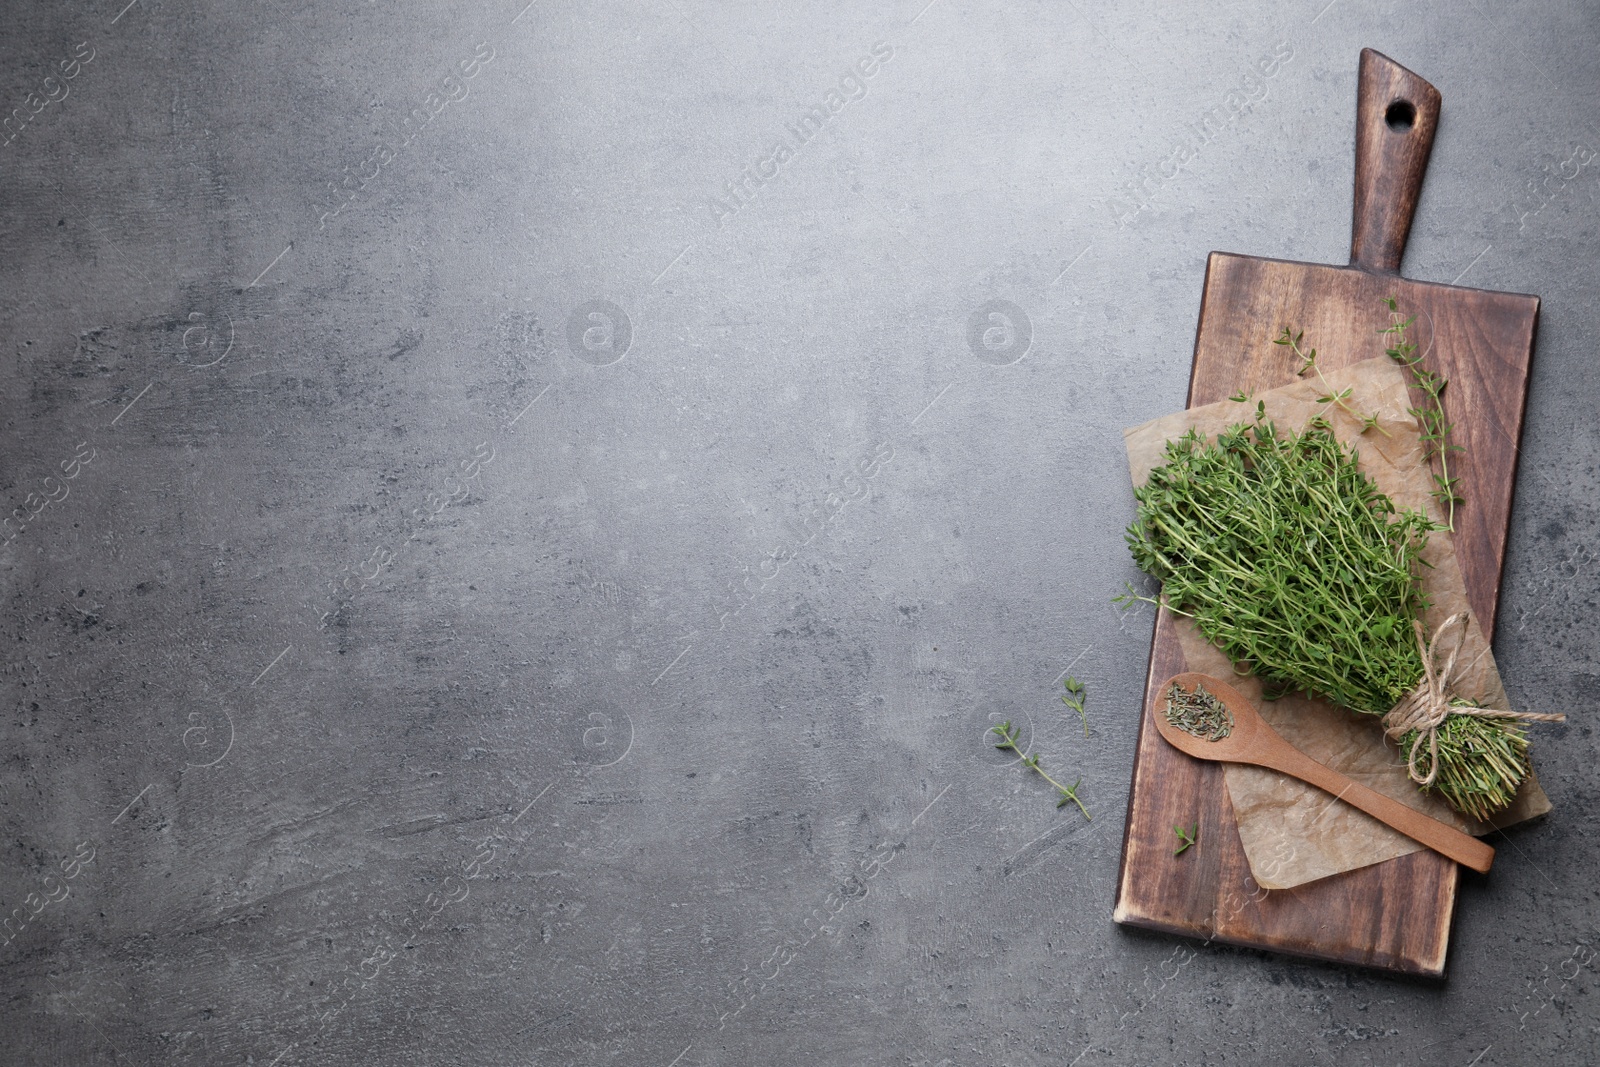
[{"x": 1199, "y": 713}]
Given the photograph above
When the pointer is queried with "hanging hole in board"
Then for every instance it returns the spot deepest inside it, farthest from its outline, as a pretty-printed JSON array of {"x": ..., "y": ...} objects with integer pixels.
[{"x": 1400, "y": 116}]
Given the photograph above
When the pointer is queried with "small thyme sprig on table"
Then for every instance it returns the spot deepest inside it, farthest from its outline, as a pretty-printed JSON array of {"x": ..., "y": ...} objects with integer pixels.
[
  {"x": 1186, "y": 838},
  {"x": 1075, "y": 696},
  {"x": 1436, "y": 441},
  {"x": 1308, "y": 362},
  {"x": 1008, "y": 734}
]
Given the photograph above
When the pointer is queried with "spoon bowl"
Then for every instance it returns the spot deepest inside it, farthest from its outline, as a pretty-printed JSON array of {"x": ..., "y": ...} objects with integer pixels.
[
  {"x": 1243, "y": 740},
  {"x": 1253, "y": 741}
]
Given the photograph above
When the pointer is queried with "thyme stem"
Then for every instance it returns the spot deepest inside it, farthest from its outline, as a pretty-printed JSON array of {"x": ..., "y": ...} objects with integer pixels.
[
  {"x": 1009, "y": 733},
  {"x": 1436, "y": 431},
  {"x": 1341, "y": 398}
]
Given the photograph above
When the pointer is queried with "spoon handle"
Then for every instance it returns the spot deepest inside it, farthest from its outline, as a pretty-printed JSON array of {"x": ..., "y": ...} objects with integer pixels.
[{"x": 1442, "y": 838}]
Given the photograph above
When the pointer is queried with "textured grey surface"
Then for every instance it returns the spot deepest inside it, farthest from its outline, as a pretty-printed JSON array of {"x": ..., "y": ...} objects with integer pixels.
[{"x": 419, "y": 670}]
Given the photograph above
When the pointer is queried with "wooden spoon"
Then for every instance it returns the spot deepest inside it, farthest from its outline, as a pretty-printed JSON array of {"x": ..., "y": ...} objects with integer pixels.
[{"x": 1253, "y": 741}]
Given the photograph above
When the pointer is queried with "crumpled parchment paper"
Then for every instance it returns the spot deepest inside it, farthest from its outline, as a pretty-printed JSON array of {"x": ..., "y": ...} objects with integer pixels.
[{"x": 1295, "y": 833}]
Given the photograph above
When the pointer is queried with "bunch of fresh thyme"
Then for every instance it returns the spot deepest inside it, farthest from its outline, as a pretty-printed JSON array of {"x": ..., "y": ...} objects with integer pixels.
[{"x": 1290, "y": 560}]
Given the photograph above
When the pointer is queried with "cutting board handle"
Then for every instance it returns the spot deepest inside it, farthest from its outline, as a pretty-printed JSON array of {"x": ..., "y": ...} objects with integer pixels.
[{"x": 1397, "y": 113}]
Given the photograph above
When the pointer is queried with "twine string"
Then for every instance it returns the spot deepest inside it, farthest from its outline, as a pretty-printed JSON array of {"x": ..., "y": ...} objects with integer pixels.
[{"x": 1426, "y": 707}]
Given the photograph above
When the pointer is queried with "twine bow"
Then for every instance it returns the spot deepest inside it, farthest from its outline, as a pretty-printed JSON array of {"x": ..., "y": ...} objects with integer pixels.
[{"x": 1427, "y": 706}]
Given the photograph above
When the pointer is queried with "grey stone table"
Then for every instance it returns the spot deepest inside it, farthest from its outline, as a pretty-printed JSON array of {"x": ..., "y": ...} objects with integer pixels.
[{"x": 522, "y": 516}]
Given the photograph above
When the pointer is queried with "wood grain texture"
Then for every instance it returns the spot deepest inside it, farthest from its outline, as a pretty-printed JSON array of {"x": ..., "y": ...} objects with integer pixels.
[
  {"x": 1397, "y": 114},
  {"x": 1394, "y": 915}
]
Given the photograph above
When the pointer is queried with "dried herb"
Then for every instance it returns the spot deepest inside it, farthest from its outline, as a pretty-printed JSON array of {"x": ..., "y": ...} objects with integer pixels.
[
  {"x": 1292, "y": 562},
  {"x": 1199, "y": 713},
  {"x": 1008, "y": 734}
]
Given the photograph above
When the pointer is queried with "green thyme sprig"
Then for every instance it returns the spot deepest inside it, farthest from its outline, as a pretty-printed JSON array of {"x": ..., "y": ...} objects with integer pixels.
[
  {"x": 1308, "y": 362},
  {"x": 1186, "y": 838},
  {"x": 1008, "y": 734},
  {"x": 1292, "y": 562},
  {"x": 1436, "y": 430},
  {"x": 1074, "y": 698}
]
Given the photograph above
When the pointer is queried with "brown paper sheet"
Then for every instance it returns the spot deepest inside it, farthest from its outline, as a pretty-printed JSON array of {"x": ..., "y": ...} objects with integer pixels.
[{"x": 1294, "y": 833}]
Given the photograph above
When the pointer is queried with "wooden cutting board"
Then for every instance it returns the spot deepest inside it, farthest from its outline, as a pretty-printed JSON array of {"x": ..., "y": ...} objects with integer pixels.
[{"x": 1394, "y": 915}]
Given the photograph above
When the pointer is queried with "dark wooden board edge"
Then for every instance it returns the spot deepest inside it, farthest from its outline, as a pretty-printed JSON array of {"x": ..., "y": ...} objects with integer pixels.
[
  {"x": 1395, "y": 278},
  {"x": 1490, "y": 620}
]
